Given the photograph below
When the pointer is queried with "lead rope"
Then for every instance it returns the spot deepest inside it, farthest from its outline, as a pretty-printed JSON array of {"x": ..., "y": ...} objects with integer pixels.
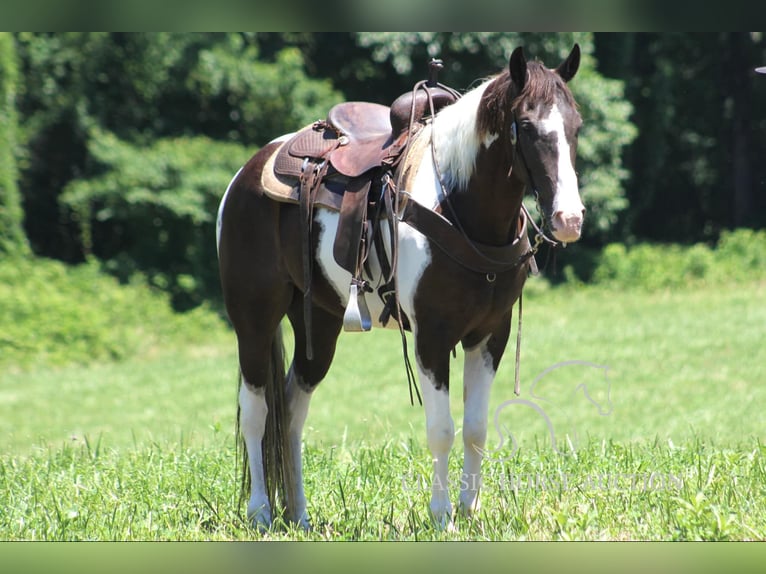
[{"x": 517, "y": 380}]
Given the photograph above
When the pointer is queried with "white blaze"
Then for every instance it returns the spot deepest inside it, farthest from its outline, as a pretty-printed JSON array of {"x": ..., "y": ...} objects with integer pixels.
[
  {"x": 567, "y": 206},
  {"x": 566, "y": 197}
]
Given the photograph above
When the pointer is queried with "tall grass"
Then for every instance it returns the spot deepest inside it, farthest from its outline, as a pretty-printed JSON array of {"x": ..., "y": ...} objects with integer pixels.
[{"x": 139, "y": 445}]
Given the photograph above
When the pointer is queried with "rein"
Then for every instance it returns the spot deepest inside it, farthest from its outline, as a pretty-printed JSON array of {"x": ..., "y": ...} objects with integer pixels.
[{"x": 540, "y": 236}]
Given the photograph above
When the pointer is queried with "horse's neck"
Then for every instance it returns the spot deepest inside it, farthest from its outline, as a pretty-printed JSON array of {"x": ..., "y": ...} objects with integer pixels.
[
  {"x": 476, "y": 172},
  {"x": 488, "y": 207}
]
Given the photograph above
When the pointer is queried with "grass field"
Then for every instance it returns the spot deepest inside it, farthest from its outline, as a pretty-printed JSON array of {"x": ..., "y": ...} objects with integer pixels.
[{"x": 143, "y": 449}]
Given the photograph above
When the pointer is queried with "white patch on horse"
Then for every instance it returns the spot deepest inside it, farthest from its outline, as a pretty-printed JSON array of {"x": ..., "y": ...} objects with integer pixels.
[
  {"x": 219, "y": 218},
  {"x": 456, "y": 138},
  {"x": 478, "y": 374},
  {"x": 298, "y": 407},
  {"x": 489, "y": 139},
  {"x": 566, "y": 199},
  {"x": 339, "y": 278},
  {"x": 253, "y": 424},
  {"x": 414, "y": 256},
  {"x": 440, "y": 433}
]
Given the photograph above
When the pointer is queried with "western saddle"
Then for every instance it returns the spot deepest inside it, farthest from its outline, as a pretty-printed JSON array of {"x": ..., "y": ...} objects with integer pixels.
[{"x": 355, "y": 153}]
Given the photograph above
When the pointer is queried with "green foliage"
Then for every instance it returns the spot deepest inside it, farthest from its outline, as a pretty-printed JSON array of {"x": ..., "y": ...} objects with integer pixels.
[
  {"x": 265, "y": 99},
  {"x": 605, "y": 134},
  {"x": 739, "y": 256},
  {"x": 153, "y": 210},
  {"x": 54, "y": 315},
  {"x": 12, "y": 238},
  {"x": 163, "y": 93},
  {"x": 696, "y": 166}
]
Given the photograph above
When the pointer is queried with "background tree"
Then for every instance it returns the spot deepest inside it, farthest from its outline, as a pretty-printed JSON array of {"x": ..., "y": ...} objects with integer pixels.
[
  {"x": 12, "y": 238},
  {"x": 125, "y": 142},
  {"x": 132, "y": 139},
  {"x": 697, "y": 165}
]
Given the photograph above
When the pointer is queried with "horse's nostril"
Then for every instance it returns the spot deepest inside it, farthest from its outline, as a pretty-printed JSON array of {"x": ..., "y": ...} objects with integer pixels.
[
  {"x": 567, "y": 227},
  {"x": 563, "y": 220}
]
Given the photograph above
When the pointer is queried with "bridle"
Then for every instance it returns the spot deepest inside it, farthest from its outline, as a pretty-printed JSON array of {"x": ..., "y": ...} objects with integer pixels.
[{"x": 540, "y": 235}]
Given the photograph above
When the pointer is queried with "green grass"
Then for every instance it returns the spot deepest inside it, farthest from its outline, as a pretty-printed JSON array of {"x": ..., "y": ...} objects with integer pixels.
[{"x": 142, "y": 449}]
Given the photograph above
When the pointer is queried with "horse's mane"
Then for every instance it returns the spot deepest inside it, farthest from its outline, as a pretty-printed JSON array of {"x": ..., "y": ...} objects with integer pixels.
[
  {"x": 460, "y": 132},
  {"x": 500, "y": 97}
]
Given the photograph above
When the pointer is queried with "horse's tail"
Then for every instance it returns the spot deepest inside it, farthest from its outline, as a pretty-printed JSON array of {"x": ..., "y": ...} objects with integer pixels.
[{"x": 275, "y": 445}]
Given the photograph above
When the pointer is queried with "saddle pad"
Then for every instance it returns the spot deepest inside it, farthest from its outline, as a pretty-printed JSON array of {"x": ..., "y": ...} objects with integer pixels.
[{"x": 285, "y": 188}]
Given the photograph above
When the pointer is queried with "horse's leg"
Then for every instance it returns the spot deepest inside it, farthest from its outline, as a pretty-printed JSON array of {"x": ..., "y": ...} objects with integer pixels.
[
  {"x": 479, "y": 370},
  {"x": 303, "y": 377},
  {"x": 433, "y": 371},
  {"x": 252, "y": 424},
  {"x": 257, "y": 294},
  {"x": 259, "y": 356}
]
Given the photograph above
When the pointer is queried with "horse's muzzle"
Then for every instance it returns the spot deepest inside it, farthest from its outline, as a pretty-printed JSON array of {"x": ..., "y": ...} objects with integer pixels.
[{"x": 567, "y": 226}]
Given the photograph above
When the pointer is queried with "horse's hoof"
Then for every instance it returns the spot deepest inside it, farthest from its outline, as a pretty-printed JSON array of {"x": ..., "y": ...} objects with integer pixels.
[
  {"x": 443, "y": 521},
  {"x": 260, "y": 519},
  {"x": 469, "y": 508},
  {"x": 304, "y": 523},
  {"x": 446, "y": 525}
]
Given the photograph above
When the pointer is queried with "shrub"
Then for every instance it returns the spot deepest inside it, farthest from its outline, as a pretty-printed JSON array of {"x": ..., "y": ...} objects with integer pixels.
[
  {"x": 54, "y": 315},
  {"x": 739, "y": 256}
]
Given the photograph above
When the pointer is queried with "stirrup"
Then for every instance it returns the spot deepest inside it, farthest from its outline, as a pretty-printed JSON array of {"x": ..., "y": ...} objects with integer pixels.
[{"x": 357, "y": 316}]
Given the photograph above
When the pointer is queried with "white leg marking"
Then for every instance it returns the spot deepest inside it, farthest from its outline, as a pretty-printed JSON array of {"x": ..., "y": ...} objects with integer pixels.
[
  {"x": 253, "y": 411},
  {"x": 298, "y": 405},
  {"x": 440, "y": 430},
  {"x": 478, "y": 375}
]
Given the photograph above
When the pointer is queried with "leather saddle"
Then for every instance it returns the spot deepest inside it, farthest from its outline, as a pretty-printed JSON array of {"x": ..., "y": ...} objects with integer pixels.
[
  {"x": 357, "y": 137},
  {"x": 350, "y": 152}
]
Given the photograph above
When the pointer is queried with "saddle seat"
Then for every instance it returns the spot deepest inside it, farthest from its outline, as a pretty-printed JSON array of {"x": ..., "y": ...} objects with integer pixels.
[
  {"x": 357, "y": 137},
  {"x": 365, "y": 136},
  {"x": 361, "y": 121}
]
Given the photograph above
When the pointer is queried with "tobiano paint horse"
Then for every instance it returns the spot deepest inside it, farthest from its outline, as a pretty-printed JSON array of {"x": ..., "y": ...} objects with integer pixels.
[{"x": 516, "y": 131}]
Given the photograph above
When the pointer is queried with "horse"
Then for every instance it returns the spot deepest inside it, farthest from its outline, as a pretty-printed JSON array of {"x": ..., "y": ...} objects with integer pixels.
[{"x": 514, "y": 131}]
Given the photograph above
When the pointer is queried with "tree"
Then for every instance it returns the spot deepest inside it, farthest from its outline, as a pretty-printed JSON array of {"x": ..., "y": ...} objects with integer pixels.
[
  {"x": 12, "y": 238},
  {"x": 697, "y": 165},
  {"x": 132, "y": 139}
]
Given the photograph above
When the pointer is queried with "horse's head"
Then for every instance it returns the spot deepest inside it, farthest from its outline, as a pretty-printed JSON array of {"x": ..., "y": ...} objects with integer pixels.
[{"x": 544, "y": 128}]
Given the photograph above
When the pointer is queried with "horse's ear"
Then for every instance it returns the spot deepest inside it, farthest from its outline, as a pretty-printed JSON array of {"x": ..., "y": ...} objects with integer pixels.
[
  {"x": 518, "y": 68},
  {"x": 568, "y": 67}
]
